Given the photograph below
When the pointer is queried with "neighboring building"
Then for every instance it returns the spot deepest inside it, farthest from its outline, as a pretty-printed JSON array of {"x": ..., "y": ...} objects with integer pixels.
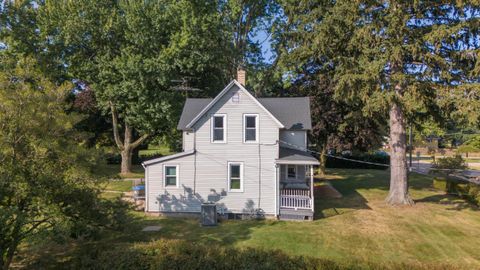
[{"x": 243, "y": 153}]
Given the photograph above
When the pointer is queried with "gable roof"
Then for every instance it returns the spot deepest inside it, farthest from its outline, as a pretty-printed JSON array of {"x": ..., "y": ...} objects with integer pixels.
[
  {"x": 221, "y": 94},
  {"x": 292, "y": 112}
]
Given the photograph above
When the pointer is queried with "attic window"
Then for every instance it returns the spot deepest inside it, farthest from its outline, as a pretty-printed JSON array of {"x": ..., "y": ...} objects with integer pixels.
[{"x": 236, "y": 98}]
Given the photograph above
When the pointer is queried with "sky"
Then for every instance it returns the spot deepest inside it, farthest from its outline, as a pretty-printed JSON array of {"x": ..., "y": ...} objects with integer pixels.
[{"x": 264, "y": 37}]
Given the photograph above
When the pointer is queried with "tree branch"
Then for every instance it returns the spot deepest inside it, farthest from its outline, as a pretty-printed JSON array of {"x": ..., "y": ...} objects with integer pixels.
[
  {"x": 116, "y": 134},
  {"x": 139, "y": 141}
]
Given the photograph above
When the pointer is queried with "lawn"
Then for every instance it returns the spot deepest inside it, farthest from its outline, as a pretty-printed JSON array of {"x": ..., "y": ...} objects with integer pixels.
[
  {"x": 113, "y": 171},
  {"x": 439, "y": 231}
]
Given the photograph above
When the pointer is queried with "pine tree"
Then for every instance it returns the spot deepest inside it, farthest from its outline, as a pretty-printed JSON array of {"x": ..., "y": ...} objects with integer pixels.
[{"x": 404, "y": 58}]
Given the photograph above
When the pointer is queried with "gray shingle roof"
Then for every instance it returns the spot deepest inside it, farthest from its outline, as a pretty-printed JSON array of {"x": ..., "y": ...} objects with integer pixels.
[
  {"x": 294, "y": 156},
  {"x": 192, "y": 107},
  {"x": 292, "y": 112}
]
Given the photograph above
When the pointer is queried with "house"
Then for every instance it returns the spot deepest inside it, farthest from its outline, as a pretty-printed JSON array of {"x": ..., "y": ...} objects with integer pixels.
[{"x": 243, "y": 153}]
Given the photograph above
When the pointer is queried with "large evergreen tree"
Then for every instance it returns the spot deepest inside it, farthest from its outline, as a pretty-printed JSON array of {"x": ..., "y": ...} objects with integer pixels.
[{"x": 404, "y": 58}]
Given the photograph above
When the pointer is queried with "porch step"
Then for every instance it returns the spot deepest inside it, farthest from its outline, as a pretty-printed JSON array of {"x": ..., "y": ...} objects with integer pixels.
[{"x": 299, "y": 214}]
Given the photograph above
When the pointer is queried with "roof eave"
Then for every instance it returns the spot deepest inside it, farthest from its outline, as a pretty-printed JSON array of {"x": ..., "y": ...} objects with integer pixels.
[{"x": 225, "y": 90}]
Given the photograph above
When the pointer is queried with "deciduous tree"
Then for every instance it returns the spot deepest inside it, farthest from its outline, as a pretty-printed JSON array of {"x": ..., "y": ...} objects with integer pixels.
[{"x": 45, "y": 175}]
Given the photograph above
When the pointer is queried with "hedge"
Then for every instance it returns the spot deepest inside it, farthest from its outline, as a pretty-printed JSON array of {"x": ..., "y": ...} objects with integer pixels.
[
  {"x": 179, "y": 254},
  {"x": 466, "y": 190}
]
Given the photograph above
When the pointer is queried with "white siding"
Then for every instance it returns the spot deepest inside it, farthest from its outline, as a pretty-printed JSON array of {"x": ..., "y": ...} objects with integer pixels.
[
  {"x": 295, "y": 137},
  {"x": 211, "y": 164},
  {"x": 188, "y": 140}
]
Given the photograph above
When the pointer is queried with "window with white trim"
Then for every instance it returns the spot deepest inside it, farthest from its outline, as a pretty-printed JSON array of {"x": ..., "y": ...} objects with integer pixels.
[
  {"x": 235, "y": 176},
  {"x": 250, "y": 128},
  {"x": 292, "y": 171},
  {"x": 170, "y": 173},
  {"x": 219, "y": 128}
]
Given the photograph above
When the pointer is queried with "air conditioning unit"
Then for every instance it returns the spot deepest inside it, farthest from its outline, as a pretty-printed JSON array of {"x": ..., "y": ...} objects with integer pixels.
[{"x": 209, "y": 214}]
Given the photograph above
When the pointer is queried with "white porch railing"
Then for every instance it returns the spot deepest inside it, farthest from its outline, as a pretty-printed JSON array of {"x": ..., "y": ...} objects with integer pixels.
[{"x": 296, "y": 198}]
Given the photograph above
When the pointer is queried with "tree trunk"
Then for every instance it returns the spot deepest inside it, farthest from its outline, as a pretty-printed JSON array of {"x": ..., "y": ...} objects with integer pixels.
[
  {"x": 127, "y": 146},
  {"x": 398, "y": 194},
  {"x": 323, "y": 160},
  {"x": 126, "y": 166}
]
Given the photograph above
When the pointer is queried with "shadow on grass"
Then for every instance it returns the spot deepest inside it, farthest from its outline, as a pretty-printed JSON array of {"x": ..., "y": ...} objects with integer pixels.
[
  {"x": 454, "y": 202},
  {"x": 348, "y": 182},
  {"x": 226, "y": 233},
  {"x": 50, "y": 255},
  {"x": 359, "y": 186}
]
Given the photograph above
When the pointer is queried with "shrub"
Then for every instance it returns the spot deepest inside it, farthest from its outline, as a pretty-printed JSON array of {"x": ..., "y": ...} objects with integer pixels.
[
  {"x": 177, "y": 254},
  {"x": 449, "y": 164}
]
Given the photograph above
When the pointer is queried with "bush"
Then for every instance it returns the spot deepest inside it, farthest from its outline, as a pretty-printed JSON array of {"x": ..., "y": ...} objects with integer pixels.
[
  {"x": 450, "y": 164},
  {"x": 461, "y": 188},
  {"x": 333, "y": 162},
  {"x": 177, "y": 254}
]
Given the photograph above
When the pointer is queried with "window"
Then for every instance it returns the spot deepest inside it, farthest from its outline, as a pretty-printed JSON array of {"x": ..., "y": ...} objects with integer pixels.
[
  {"x": 250, "y": 124},
  {"x": 171, "y": 175},
  {"x": 235, "y": 176},
  {"x": 292, "y": 171},
  {"x": 218, "y": 128}
]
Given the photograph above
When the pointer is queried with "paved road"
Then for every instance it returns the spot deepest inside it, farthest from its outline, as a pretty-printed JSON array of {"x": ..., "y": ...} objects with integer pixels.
[{"x": 424, "y": 168}]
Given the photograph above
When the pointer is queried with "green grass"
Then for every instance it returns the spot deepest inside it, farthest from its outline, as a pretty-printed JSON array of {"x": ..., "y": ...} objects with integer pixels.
[
  {"x": 163, "y": 150},
  {"x": 439, "y": 230},
  {"x": 113, "y": 171},
  {"x": 119, "y": 185}
]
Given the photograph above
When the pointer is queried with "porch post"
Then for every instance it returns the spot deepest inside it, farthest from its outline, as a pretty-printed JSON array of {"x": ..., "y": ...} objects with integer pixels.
[
  {"x": 277, "y": 189},
  {"x": 311, "y": 187}
]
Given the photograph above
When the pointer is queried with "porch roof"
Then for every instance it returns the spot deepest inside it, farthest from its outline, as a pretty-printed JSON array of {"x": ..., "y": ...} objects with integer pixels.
[{"x": 294, "y": 156}]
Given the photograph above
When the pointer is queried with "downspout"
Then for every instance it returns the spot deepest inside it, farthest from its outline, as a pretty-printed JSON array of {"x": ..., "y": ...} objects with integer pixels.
[
  {"x": 194, "y": 161},
  {"x": 259, "y": 175}
]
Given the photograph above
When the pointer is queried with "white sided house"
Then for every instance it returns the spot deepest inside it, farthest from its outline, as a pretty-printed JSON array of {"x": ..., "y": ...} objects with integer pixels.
[{"x": 241, "y": 153}]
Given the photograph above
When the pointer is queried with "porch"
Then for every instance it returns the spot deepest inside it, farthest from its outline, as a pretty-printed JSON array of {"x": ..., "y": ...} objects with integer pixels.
[{"x": 295, "y": 193}]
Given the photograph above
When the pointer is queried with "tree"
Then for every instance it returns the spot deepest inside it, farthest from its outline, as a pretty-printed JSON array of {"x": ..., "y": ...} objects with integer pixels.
[
  {"x": 337, "y": 124},
  {"x": 244, "y": 21},
  {"x": 401, "y": 58},
  {"x": 45, "y": 180},
  {"x": 128, "y": 52}
]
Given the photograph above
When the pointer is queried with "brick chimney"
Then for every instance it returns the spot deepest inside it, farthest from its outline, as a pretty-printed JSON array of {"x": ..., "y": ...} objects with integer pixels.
[{"x": 241, "y": 75}]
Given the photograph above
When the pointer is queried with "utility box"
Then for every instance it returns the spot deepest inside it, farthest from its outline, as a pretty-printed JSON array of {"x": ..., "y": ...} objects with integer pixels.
[{"x": 209, "y": 214}]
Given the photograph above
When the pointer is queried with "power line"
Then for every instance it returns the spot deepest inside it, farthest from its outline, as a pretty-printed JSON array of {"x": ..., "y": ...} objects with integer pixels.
[{"x": 332, "y": 156}]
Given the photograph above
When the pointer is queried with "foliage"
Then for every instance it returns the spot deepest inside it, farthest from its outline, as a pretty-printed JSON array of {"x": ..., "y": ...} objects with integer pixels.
[
  {"x": 46, "y": 183},
  {"x": 470, "y": 192},
  {"x": 333, "y": 162},
  {"x": 474, "y": 142},
  {"x": 175, "y": 254},
  {"x": 466, "y": 190},
  {"x": 466, "y": 148},
  {"x": 450, "y": 163},
  {"x": 415, "y": 59}
]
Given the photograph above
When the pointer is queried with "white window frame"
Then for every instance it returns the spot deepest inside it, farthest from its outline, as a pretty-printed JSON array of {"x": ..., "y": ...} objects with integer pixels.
[
  {"x": 296, "y": 171},
  {"x": 241, "y": 176},
  {"x": 212, "y": 127},
  {"x": 245, "y": 127},
  {"x": 177, "y": 180}
]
